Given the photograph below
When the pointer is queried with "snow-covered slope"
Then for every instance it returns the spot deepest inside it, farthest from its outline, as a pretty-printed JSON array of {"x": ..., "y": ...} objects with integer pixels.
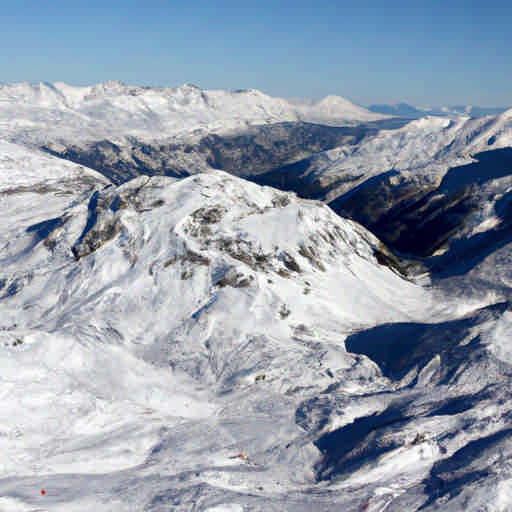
[
  {"x": 417, "y": 186},
  {"x": 182, "y": 344},
  {"x": 35, "y": 187},
  {"x": 423, "y": 149},
  {"x": 43, "y": 112},
  {"x": 210, "y": 344},
  {"x": 29, "y": 169}
]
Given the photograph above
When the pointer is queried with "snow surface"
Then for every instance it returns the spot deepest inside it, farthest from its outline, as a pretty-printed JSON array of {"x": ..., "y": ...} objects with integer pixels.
[
  {"x": 27, "y": 168},
  {"x": 180, "y": 345}
]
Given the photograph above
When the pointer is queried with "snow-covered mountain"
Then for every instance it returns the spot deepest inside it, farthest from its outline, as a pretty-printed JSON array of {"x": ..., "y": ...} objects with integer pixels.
[
  {"x": 125, "y": 131},
  {"x": 417, "y": 186},
  {"x": 426, "y": 147},
  {"x": 209, "y": 343},
  {"x": 43, "y": 112},
  {"x": 199, "y": 342},
  {"x": 464, "y": 110}
]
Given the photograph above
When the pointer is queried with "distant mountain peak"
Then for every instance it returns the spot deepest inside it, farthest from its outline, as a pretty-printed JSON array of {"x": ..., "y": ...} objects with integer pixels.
[
  {"x": 401, "y": 109},
  {"x": 405, "y": 110}
]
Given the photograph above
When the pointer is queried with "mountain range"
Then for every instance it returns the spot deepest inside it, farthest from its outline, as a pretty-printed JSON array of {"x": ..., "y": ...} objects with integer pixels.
[
  {"x": 228, "y": 302},
  {"x": 61, "y": 112},
  {"x": 407, "y": 111}
]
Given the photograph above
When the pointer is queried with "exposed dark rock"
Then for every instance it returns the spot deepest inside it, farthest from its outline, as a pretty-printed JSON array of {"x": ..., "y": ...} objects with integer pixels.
[
  {"x": 235, "y": 280},
  {"x": 94, "y": 239},
  {"x": 385, "y": 257},
  {"x": 284, "y": 311},
  {"x": 280, "y": 201},
  {"x": 95, "y": 234},
  {"x": 190, "y": 257},
  {"x": 263, "y": 148},
  {"x": 121, "y": 164},
  {"x": 309, "y": 252},
  {"x": 257, "y": 150},
  {"x": 210, "y": 215},
  {"x": 187, "y": 274},
  {"x": 289, "y": 262},
  {"x": 17, "y": 341}
]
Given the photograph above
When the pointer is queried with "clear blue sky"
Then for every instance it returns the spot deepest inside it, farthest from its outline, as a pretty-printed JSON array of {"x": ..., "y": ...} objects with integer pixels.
[{"x": 424, "y": 52}]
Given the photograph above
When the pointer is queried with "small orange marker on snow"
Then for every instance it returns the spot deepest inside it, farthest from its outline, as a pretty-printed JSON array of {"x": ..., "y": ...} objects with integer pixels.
[{"x": 43, "y": 492}]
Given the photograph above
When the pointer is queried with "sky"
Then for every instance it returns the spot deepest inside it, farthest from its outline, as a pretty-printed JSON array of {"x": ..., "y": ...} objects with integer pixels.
[{"x": 425, "y": 53}]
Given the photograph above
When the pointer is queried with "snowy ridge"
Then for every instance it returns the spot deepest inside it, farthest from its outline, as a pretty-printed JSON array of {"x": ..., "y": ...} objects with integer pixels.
[
  {"x": 35, "y": 187},
  {"x": 424, "y": 149},
  {"x": 52, "y": 112},
  {"x": 238, "y": 234},
  {"x": 30, "y": 168}
]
